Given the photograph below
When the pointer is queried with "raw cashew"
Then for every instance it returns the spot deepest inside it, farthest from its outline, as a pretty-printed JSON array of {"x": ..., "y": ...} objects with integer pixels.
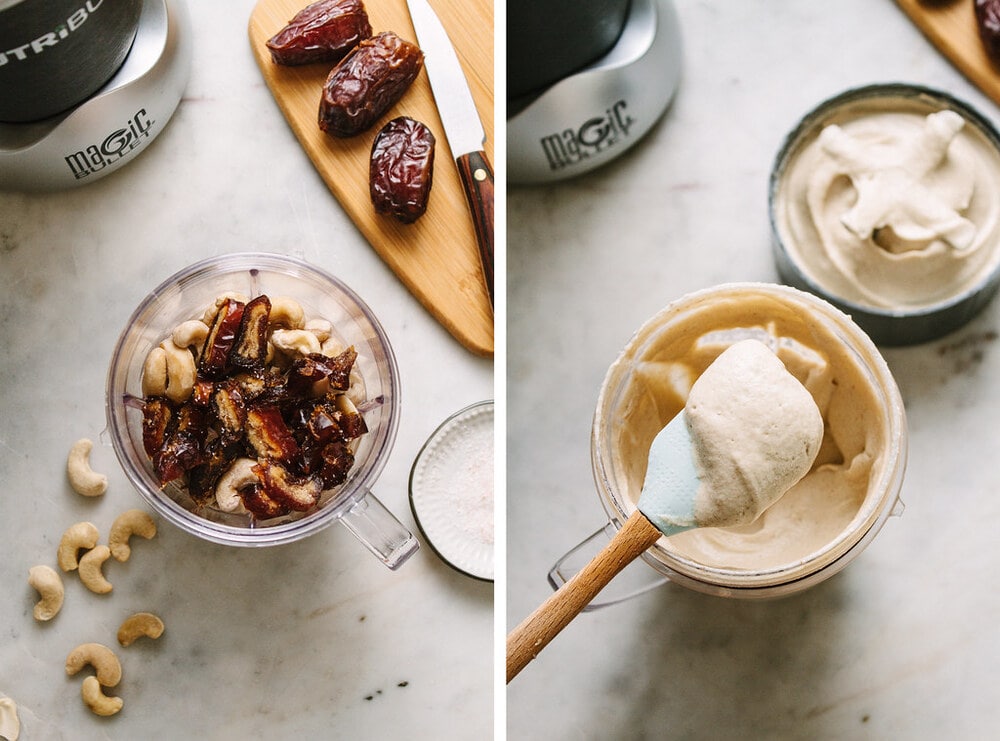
[
  {"x": 50, "y": 587},
  {"x": 106, "y": 665},
  {"x": 299, "y": 341},
  {"x": 191, "y": 333},
  {"x": 82, "y": 478},
  {"x": 10, "y": 724},
  {"x": 286, "y": 312},
  {"x": 78, "y": 536},
  {"x": 128, "y": 523},
  {"x": 332, "y": 347},
  {"x": 90, "y": 569},
  {"x": 96, "y": 700},
  {"x": 154, "y": 373},
  {"x": 181, "y": 371},
  {"x": 137, "y": 625},
  {"x": 319, "y": 327},
  {"x": 227, "y": 489},
  {"x": 213, "y": 308}
]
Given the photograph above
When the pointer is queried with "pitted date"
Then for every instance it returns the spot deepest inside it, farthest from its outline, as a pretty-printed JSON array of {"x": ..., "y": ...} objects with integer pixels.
[
  {"x": 401, "y": 169},
  {"x": 324, "y": 31},
  {"x": 367, "y": 82},
  {"x": 988, "y": 21}
]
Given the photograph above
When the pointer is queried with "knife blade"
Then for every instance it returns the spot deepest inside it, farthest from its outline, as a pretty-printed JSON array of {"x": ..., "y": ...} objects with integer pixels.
[{"x": 462, "y": 126}]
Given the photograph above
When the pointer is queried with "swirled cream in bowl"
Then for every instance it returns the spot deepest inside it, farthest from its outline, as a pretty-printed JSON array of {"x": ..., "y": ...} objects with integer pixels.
[{"x": 885, "y": 200}]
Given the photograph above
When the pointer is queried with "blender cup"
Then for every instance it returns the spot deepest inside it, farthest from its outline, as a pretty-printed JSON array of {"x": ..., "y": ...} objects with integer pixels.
[{"x": 819, "y": 526}]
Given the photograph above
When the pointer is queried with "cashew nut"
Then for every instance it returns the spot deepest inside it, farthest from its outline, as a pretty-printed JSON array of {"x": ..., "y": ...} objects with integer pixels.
[
  {"x": 129, "y": 523},
  {"x": 106, "y": 665},
  {"x": 78, "y": 536},
  {"x": 191, "y": 333},
  {"x": 286, "y": 312},
  {"x": 50, "y": 588},
  {"x": 299, "y": 341},
  {"x": 208, "y": 318},
  {"x": 90, "y": 569},
  {"x": 95, "y": 699},
  {"x": 332, "y": 347},
  {"x": 154, "y": 373},
  {"x": 227, "y": 489},
  {"x": 322, "y": 328},
  {"x": 10, "y": 724},
  {"x": 82, "y": 478},
  {"x": 137, "y": 625},
  {"x": 181, "y": 371}
]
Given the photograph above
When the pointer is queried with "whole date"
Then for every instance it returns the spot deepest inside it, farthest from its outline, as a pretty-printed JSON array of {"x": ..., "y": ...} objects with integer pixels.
[
  {"x": 324, "y": 31},
  {"x": 367, "y": 82},
  {"x": 401, "y": 169}
]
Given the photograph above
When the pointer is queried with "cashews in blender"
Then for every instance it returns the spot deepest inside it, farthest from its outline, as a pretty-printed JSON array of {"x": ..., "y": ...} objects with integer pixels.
[
  {"x": 49, "y": 585},
  {"x": 227, "y": 490},
  {"x": 82, "y": 478},
  {"x": 128, "y": 523}
]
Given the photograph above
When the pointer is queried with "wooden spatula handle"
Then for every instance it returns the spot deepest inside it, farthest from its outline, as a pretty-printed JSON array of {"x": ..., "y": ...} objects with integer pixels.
[{"x": 534, "y": 633}]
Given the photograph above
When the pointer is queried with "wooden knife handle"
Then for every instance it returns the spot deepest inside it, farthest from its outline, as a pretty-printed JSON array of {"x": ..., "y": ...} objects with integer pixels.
[
  {"x": 534, "y": 633},
  {"x": 477, "y": 179}
]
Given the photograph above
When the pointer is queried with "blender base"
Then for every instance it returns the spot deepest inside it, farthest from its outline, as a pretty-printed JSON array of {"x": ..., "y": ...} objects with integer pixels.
[
  {"x": 596, "y": 114},
  {"x": 115, "y": 124}
]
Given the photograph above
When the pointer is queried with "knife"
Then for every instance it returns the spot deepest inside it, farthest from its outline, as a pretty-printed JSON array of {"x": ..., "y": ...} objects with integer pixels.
[{"x": 462, "y": 126}]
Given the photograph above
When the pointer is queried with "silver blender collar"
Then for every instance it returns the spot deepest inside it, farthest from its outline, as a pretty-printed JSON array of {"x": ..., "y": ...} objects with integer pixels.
[
  {"x": 116, "y": 123},
  {"x": 594, "y": 115}
]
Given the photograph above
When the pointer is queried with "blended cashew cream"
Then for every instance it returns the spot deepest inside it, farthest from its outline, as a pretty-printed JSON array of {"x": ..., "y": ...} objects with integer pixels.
[
  {"x": 892, "y": 204},
  {"x": 755, "y": 432},
  {"x": 657, "y": 371}
]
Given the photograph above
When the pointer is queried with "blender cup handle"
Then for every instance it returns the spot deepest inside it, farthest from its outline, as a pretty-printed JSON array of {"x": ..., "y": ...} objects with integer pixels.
[
  {"x": 379, "y": 531},
  {"x": 633, "y": 580}
]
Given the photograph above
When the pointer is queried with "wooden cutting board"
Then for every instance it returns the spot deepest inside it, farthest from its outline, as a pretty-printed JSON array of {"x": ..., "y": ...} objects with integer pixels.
[
  {"x": 951, "y": 27},
  {"x": 436, "y": 258}
]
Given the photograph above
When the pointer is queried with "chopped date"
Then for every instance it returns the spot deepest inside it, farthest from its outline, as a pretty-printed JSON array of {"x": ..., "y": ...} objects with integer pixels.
[
  {"x": 324, "y": 31},
  {"x": 268, "y": 434},
  {"x": 367, "y": 82},
  {"x": 295, "y": 493},
  {"x": 258, "y": 503},
  {"x": 988, "y": 21},
  {"x": 157, "y": 417},
  {"x": 222, "y": 336},
  {"x": 250, "y": 348},
  {"x": 401, "y": 169}
]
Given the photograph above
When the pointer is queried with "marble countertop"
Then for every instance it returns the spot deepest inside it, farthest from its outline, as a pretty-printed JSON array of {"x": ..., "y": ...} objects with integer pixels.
[
  {"x": 903, "y": 643},
  {"x": 311, "y": 640}
]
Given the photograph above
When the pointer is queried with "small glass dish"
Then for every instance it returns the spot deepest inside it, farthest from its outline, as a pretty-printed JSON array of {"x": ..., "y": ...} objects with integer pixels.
[
  {"x": 184, "y": 296},
  {"x": 451, "y": 491}
]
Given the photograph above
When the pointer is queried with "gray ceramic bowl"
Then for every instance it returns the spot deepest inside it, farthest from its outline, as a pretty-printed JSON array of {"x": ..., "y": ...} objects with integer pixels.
[{"x": 886, "y": 326}]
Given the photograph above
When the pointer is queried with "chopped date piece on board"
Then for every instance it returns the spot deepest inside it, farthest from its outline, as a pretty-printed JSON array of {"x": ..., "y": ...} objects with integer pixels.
[
  {"x": 988, "y": 21},
  {"x": 367, "y": 83},
  {"x": 401, "y": 169},
  {"x": 324, "y": 31}
]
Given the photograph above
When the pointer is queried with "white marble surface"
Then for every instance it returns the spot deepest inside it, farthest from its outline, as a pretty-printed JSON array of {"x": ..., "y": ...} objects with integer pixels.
[
  {"x": 312, "y": 640},
  {"x": 903, "y": 643}
]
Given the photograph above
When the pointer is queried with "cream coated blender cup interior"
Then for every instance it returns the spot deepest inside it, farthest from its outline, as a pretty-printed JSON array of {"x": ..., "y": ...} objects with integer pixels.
[{"x": 832, "y": 514}]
